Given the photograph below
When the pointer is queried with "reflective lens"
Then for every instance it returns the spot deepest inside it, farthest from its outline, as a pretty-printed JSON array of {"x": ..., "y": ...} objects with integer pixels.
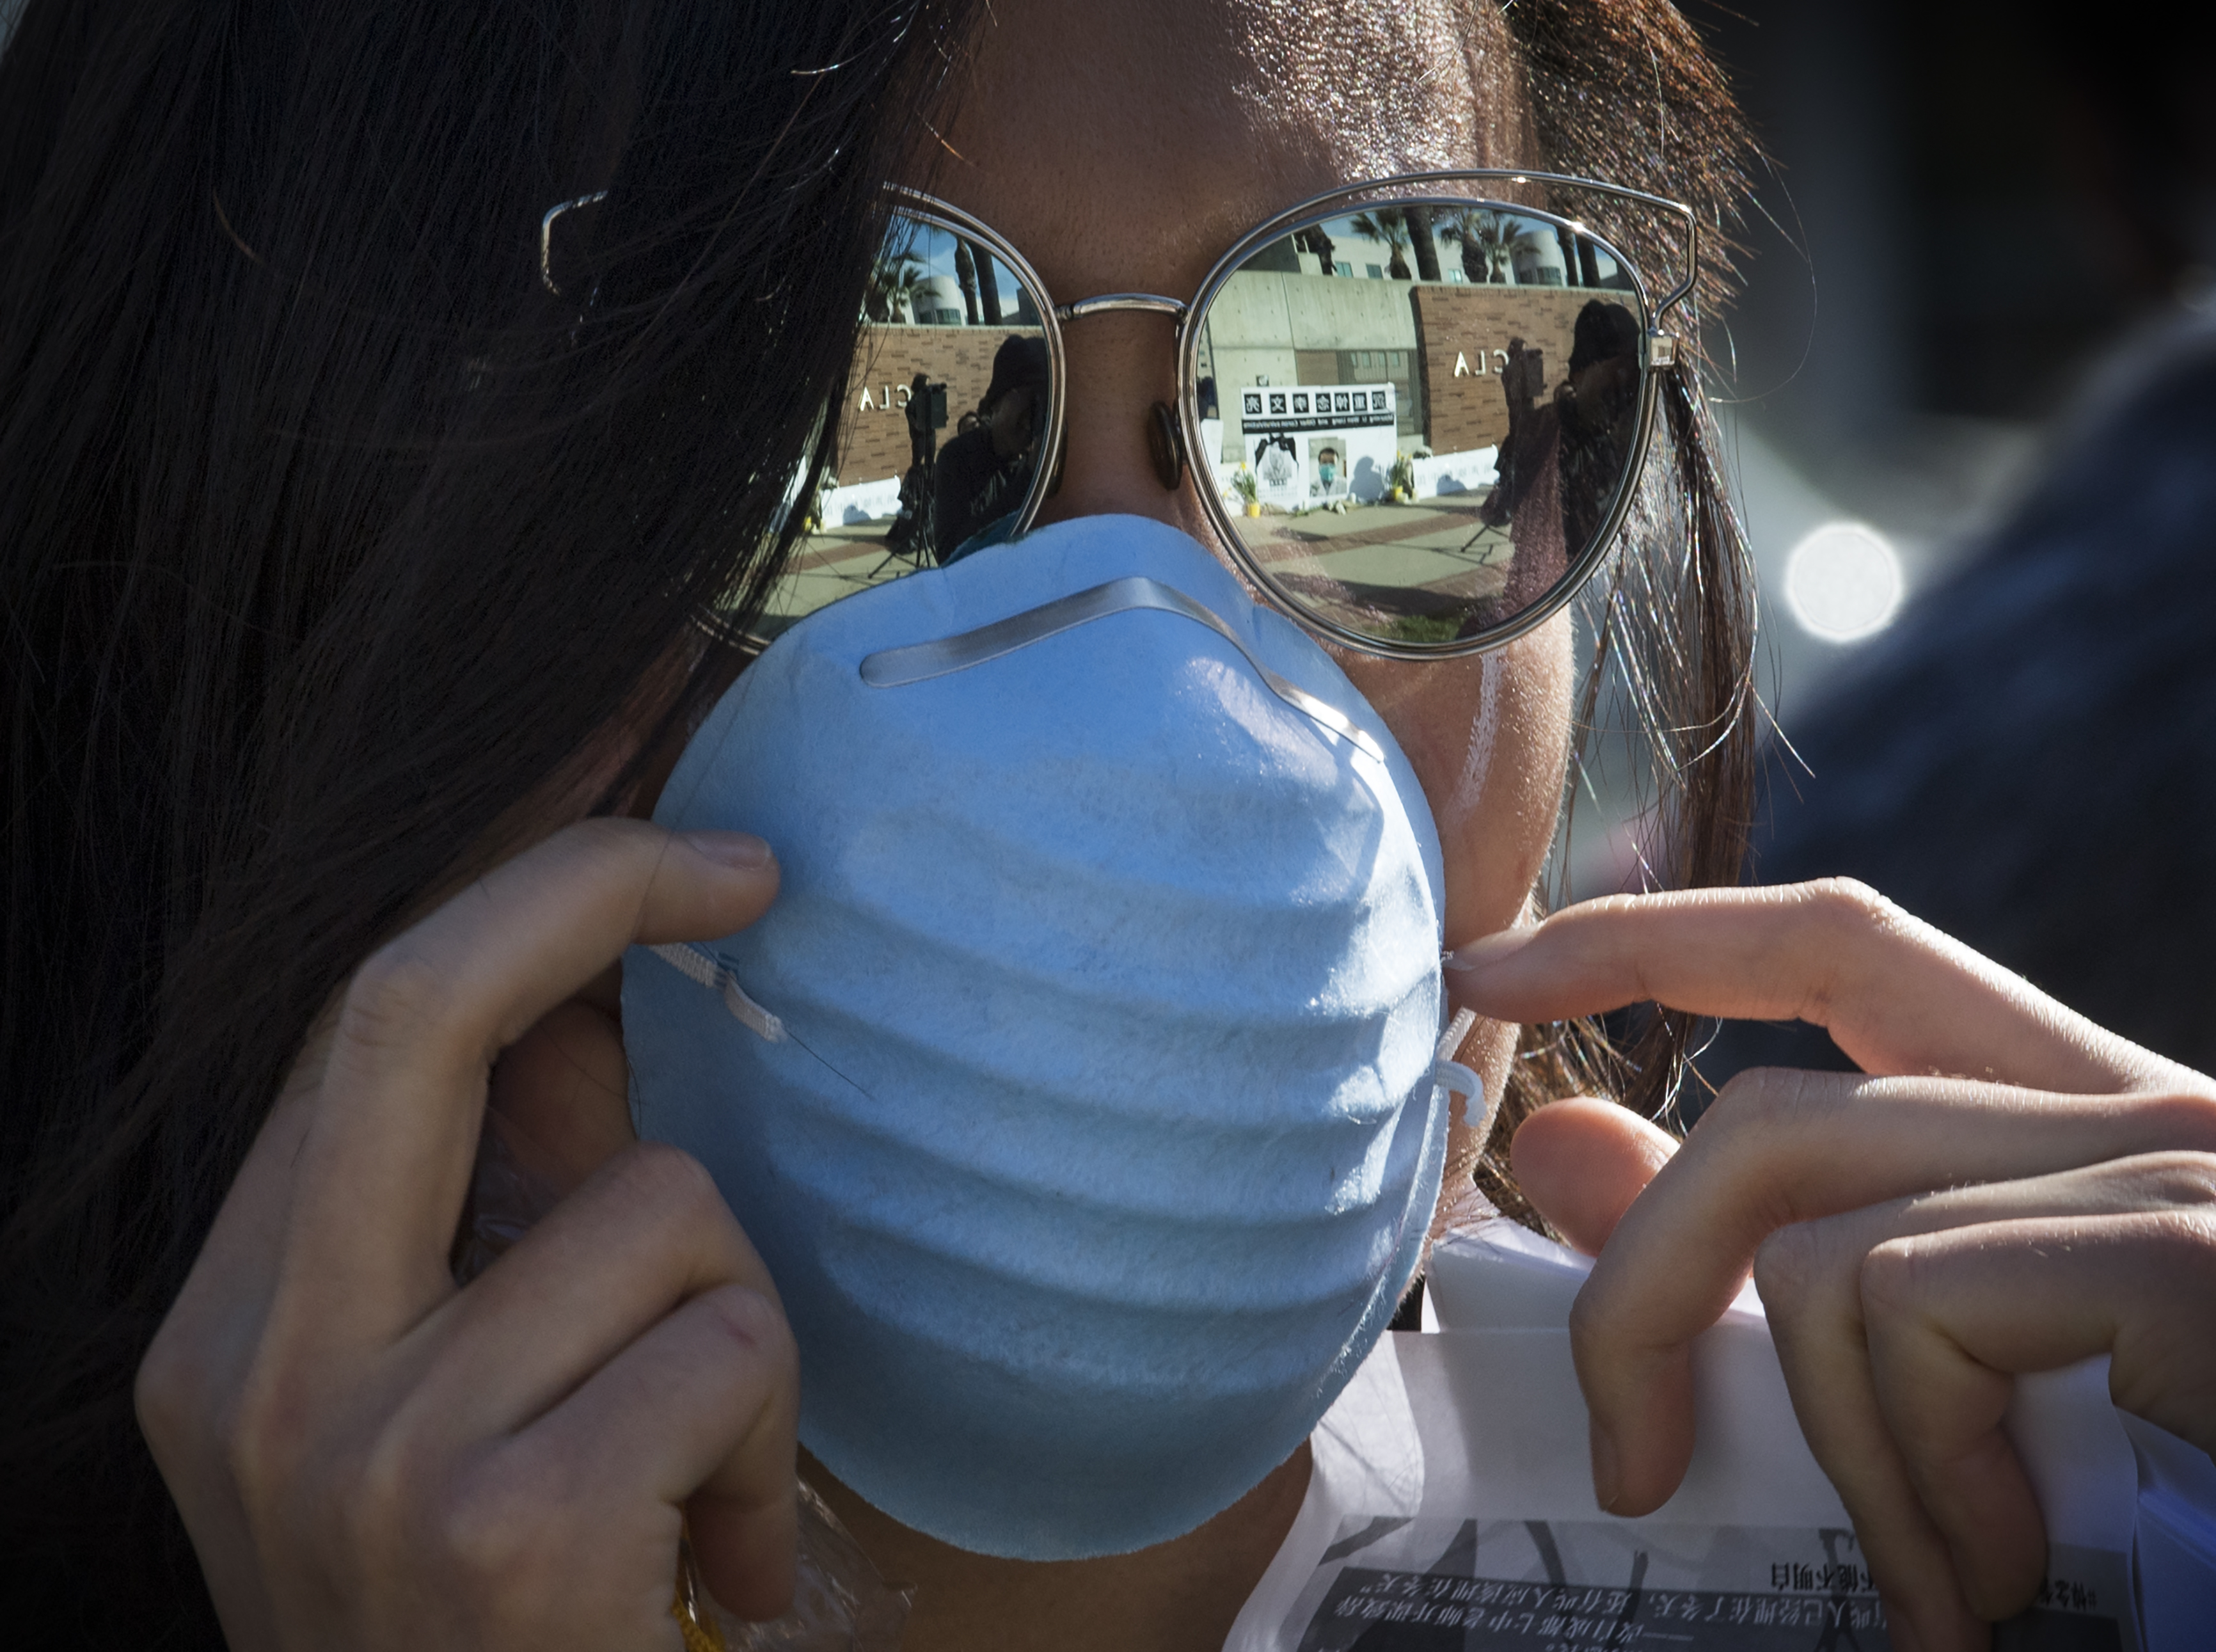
[
  {"x": 1420, "y": 418},
  {"x": 942, "y": 426}
]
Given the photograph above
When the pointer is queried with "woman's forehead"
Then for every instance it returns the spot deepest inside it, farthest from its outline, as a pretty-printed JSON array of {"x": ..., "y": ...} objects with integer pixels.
[{"x": 1127, "y": 143}]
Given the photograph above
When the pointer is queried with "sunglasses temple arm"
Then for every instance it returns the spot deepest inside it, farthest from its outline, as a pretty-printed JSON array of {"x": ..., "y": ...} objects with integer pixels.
[{"x": 1677, "y": 295}]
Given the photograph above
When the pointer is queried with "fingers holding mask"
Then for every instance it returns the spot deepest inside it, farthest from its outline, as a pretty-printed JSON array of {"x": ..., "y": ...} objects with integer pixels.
[
  {"x": 397, "y": 1125},
  {"x": 1896, "y": 994},
  {"x": 345, "y": 1429}
]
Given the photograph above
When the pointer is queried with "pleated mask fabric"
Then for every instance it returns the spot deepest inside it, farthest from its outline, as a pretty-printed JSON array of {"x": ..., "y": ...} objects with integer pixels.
[{"x": 1079, "y": 1088}]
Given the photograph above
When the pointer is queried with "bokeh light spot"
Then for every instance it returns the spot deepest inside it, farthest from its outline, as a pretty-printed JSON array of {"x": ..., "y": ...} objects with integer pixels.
[{"x": 1842, "y": 582}]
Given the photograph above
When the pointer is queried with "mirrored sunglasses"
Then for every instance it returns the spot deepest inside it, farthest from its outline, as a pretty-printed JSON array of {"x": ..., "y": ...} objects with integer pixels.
[{"x": 1414, "y": 408}]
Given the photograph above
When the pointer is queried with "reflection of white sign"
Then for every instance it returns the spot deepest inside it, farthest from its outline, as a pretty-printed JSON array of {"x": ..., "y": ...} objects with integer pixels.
[
  {"x": 1473, "y": 471},
  {"x": 1315, "y": 407},
  {"x": 1277, "y": 479},
  {"x": 862, "y": 501},
  {"x": 1465, "y": 366}
]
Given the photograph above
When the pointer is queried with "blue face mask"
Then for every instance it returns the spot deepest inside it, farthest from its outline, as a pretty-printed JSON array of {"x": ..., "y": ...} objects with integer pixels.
[{"x": 1080, "y": 1090}]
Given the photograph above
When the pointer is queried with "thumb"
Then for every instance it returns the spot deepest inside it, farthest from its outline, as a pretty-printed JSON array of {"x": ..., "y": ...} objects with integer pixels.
[{"x": 1582, "y": 1162}]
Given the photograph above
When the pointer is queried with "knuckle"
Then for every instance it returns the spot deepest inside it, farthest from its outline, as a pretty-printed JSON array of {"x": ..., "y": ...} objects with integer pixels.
[
  {"x": 482, "y": 1522},
  {"x": 1591, "y": 1325},
  {"x": 1891, "y": 1276},
  {"x": 752, "y": 1323},
  {"x": 1850, "y": 919},
  {"x": 1749, "y": 1100},
  {"x": 169, "y": 1393},
  {"x": 2185, "y": 1118},
  {"x": 608, "y": 852},
  {"x": 610, "y": 835},
  {"x": 263, "y": 1432},
  {"x": 667, "y": 1181},
  {"x": 1789, "y": 1262},
  {"x": 398, "y": 990},
  {"x": 1849, "y": 905},
  {"x": 1756, "y": 1109},
  {"x": 2180, "y": 1178},
  {"x": 472, "y": 1520}
]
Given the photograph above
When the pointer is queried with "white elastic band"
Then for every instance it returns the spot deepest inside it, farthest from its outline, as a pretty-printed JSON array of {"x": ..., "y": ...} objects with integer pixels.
[
  {"x": 1446, "y": 1072},
  {"x": 1458, "y": 1080},
  {"x": 1457, "y": 1030},
  {"x": 689, "y": 960}
]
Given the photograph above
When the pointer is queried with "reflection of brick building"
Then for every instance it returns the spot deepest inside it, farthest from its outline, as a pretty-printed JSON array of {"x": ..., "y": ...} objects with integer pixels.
[
  {"x": 873, "y": 421},
  {"x": 1463, "y": 333}
]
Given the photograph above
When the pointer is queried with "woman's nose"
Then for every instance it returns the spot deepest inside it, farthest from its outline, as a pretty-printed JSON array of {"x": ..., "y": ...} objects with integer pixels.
[{"x": 1120, "y": 365}]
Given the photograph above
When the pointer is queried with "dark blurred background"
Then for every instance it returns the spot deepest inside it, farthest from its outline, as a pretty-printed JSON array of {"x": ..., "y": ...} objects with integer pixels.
[
  {"x": 1969, "y": 400},
  {"x": 1990, "y": 194}
]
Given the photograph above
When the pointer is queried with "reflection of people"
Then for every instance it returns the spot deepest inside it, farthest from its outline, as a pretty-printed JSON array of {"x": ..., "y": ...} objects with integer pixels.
[
  {"x": 1566, "y": 451},
  {"x": 314, "y": 871},
  {"x": 1598, "y": 406},
  {"x": 1530, "y": 435},
  {"x": 922, "y": 438},
  {"x": 924, "y": 411},
  {"x": 984, "y": 473}
]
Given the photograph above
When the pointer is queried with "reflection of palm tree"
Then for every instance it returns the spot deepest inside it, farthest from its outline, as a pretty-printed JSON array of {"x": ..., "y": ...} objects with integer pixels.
[
  {"x": 988, "y": 291},
  {"x": 1389, "y": 226},
  {"x": 1315, "y": 241},
  {"x": 1418, "y": 220},
  {"x": 1483, "y": 239},
  {"x": 893, "y": 288},
  {"x": 965, "y": 273}
]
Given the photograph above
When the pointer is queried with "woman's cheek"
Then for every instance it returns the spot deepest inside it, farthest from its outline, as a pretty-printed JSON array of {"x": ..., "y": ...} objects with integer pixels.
[{"x": 1488, "y": 738}]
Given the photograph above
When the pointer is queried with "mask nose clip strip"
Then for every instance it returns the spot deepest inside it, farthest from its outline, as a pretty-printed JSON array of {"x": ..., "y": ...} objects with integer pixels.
[{"x": 895, "y": 668}]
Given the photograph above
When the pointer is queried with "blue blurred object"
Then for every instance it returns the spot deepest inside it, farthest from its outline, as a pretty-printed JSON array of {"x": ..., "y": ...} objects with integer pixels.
[{"x": 2028, "y": 759}]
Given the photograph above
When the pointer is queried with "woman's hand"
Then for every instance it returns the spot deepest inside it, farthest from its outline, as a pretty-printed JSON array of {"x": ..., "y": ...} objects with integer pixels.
[
  {"x": 367, "y": 1455},
  {"x": 2005, "y": 1188}
]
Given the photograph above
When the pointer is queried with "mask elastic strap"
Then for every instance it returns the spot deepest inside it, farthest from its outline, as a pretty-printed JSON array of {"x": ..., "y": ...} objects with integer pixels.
[
  {"x": 697, "y": 964},
  {"x": 1450, "y": 1075}
]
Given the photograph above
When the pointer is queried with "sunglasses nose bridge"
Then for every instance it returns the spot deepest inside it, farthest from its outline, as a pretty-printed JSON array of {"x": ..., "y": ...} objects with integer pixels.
[
  {"x": 1102, "y": 303},
  {"x": 1165, "y": 440}
]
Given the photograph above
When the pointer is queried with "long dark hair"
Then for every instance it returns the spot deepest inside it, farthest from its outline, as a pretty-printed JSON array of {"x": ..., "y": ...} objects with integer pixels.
[
  {"x": 332, "y": 536},
  {"x": 1626, "y": 92}
]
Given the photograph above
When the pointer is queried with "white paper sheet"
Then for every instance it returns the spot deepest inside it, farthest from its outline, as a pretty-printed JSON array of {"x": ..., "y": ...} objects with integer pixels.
[{"x": 1451, "y": 1504}]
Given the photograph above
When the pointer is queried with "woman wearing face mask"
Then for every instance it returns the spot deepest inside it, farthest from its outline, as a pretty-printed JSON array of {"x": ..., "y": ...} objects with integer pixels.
[{"x": 358, "y": 508}]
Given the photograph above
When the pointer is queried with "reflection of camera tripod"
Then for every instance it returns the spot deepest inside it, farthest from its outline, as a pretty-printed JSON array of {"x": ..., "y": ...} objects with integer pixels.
[{"x": 909, "y": 540}]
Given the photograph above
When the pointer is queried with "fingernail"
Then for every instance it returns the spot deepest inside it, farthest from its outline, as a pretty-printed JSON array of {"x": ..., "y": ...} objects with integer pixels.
[
  {"x": 1488, "y": 950},
  {"x": 741, "y": 851},
  {"x": 1607, "y": 1475}
]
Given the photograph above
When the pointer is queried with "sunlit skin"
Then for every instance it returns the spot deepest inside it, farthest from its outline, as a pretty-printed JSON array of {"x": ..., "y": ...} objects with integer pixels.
[
  {"x": 366, "y": 1455},
  {"x": 1187, "y": 126}
]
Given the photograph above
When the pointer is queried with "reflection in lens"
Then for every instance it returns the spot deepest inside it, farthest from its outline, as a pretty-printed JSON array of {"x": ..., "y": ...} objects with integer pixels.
[
  {"x": 939, "y": 432},
  {"x": 1420, "y": 417}
]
